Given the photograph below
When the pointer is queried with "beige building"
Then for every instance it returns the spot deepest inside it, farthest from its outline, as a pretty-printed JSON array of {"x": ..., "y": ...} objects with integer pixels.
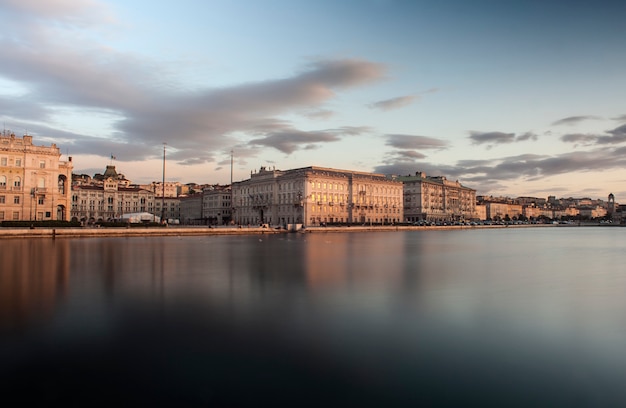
[
  {"x": 436, "y": 199},
  {"x": 168, "y": 208},
  {"x": 34, "y": 182},
  {"x": 108, "y": 197},
  {"x": 170, "y": 188},
  {"x": 190, "y": 207},
  {"x": 316, "y": 196},
  {"x": 216, "y": 205}
]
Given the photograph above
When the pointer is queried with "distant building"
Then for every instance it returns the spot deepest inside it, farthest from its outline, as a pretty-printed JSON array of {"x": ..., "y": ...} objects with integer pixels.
[
  {"x": 436, "y": 199},
  {"x": 191, "y": 209},
  {"x": 170, "y": 210},
  {"x": 170, "y": 188},
  {"x": 316, "y": 196},
  {"x": 216, "y": 205},
  {"x": 34, "y": 182},
  {"x": 108, "y": 197}
]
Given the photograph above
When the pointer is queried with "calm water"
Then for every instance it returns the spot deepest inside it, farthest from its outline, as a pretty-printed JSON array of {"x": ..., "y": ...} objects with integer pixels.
[{"x": 510, "y": 317}]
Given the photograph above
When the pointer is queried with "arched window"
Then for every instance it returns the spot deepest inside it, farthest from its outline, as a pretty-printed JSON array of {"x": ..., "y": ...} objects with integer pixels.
[
  {"x": 17, "y": 182},
  {"x": 41, "y": 183},
  {"x": 3, "y": 181}
]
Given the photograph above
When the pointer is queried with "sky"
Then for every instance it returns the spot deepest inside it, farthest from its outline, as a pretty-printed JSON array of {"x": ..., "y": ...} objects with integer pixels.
[{"x": 511, "y": 98}]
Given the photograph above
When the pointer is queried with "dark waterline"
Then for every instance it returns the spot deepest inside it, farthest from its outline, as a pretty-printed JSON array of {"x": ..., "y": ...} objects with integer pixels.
[{"x": 518, "y": 317}]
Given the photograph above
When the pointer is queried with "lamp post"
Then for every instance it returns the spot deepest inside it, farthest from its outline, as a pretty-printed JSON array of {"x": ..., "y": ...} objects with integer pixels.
[{"x": 163, "y": 188}]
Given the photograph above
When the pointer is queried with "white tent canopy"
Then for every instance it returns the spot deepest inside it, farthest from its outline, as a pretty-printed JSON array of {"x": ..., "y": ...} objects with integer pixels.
[{"x": 135, "y": 218}]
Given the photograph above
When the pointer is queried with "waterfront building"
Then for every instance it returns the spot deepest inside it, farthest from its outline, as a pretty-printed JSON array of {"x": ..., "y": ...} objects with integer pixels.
[
  {"x": 316, "y": 196},
  {"x": 591, "y": 212},
  {"x": 481, "y": 212},
  {"x": 108, "y": 197},
  {"x": 34, "y": 182},
  {"x": 169, "y": 189},
  {"x": 216, "y": 205},
  {"x": 436, "y": 199},
  {"x": 168, "y": 207},
  {"x": 191, "y": 209}
]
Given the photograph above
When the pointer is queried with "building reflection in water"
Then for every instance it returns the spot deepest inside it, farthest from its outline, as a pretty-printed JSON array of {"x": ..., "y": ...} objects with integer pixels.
[{"x": 33, "y": 280}]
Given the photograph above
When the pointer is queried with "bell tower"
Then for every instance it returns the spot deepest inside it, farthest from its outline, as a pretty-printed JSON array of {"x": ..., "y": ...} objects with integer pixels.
[{"x": 611, "y": 205}]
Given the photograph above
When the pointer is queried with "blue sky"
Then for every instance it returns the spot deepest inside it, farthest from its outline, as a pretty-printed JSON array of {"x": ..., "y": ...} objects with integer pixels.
[{"x": 509, "y": 97}]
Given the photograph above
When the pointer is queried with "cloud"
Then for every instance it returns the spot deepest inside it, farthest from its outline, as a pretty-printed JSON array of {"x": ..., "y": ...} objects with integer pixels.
[
  {"x": 415, "y": 142},
  {"x": 148, "y": 107},
  {"x": 619, "y": 131},
  {"x": 574, "y": 120},
  {"x": 63, "y": 68},
  {"x": 74, "y": 12},
  {"x": 290, "y": 140},
  {"x": 319, "y": 114},
  {"x": 486, "y": 174},
  {"x": 621, "y": 118},
  {"x": 410, "y": 155},
  {"x": 393, "y": 103},
  {"x": 491, "y": 137},
  {"x": 527, "y": 136},
  {"x": 617, "y": 136}
]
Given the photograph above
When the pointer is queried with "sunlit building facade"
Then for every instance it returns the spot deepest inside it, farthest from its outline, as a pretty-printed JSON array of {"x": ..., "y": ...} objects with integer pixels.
[
  {"x": 316, "y": 196},
  {"x": 436, "y": 199},
  {"x": 34, "y": 182},
  {"x": 109, "y": 197},
  {"x": 216, "y": 205}
]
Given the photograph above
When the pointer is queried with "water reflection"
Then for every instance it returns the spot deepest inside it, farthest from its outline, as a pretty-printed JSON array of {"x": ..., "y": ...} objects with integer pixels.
[
  {"x": 33, "y": 281},
  {"x": 447, "y": 318}
]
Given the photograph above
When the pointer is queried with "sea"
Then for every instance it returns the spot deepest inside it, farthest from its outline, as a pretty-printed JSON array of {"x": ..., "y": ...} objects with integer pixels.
[{"x": 509, "y": 317}]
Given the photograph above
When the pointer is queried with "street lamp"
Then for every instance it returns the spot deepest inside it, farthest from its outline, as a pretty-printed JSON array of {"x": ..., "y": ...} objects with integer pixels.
[{"x": 163, "y": 188}]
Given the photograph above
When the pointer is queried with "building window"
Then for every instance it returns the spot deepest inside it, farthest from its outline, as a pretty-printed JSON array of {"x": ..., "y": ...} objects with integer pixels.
[
  {"x": 3, "y": 161},
  {"x": 17, "y": 182},
  {"x": 1, "y": 215},
  {"x": 16, "y": 215},
  {"x": 16, "y": 199},
  {"x": 2, "y": 200},
  {"x": 42, "y": 164},
  {"x": 18, "y": 162},
  {"x": 40, "y": 200},
  {"x": 3, "y": 181}
]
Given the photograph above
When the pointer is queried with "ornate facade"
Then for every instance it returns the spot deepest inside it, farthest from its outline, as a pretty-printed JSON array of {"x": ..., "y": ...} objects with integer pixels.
[
  {"x": 316, "y": 196},
  {"x": 34, "y": 182},
  {"x": 109, "y": 198},
  {"x": 436, "y": 199}
]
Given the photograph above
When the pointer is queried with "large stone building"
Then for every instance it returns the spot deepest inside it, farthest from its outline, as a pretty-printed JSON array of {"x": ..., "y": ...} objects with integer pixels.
[
  {"x": 316, "y": 196},
  {"x": 34, "y": 182},
  {"x": 217, "y": 205},
  {"x": 191, "y": 209},
  {"x": 109, "y": 197},
  {"x": 436, "y": 199}
]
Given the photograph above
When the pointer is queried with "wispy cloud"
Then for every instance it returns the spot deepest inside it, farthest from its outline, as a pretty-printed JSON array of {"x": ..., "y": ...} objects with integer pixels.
[
  {"x": 496, "y": 138},
  {"x": 290, "y": 140},
  {"x": 574, "y": 120},
  {"x": 621, "y": 118},
  {"x": 491, "y": 137},
  {"x": 196, "y": 123},
  {"x": 393, "y": 103},
  {"x": 615, "y": 136},
  {"x": 415, "y": 142},
  {"x": 485, "y": 174},
  {"x": 320, "y": 114}
]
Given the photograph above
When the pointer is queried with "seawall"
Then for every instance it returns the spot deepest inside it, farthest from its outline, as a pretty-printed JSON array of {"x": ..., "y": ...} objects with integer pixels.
[{"x": 88, "y": 232}]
